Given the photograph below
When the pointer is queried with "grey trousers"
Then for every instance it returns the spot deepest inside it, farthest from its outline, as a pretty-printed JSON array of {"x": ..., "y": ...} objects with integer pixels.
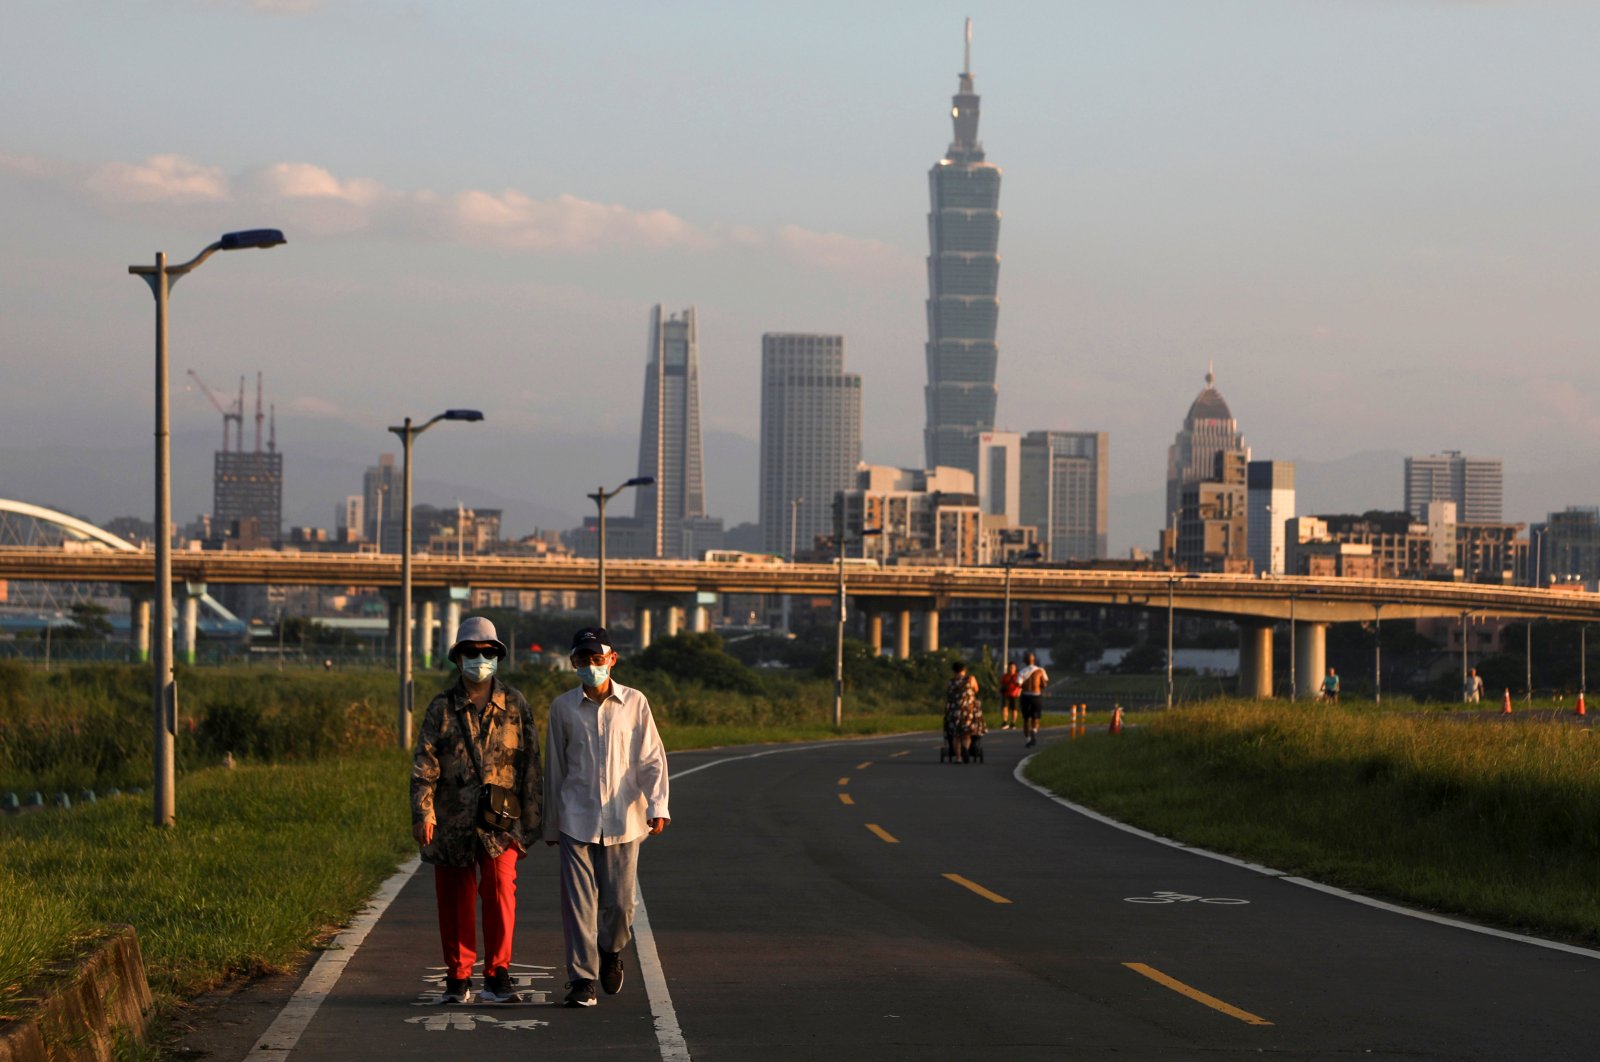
[{"x": 597, "y": 898}]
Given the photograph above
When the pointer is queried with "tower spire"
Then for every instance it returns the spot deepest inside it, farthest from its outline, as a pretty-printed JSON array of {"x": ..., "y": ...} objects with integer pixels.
[{"x": 966, "y": 57}]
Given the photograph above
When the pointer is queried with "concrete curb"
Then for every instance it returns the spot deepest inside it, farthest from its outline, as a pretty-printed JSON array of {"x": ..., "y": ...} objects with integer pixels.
[{"x": 103, "y": 998}]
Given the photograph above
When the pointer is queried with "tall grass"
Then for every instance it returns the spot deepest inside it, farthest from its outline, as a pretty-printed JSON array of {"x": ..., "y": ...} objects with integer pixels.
[
  {"x": 262, "y": 859},
  {"x": 1496, "y": 819}
]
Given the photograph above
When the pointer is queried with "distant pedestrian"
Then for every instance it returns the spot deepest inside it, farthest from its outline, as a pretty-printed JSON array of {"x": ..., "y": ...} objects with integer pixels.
[
  {"x": 1033, "y": 680},
  {"x": 1473, "y": 693},
  {"x": 605, "y": 791},
  {"x": 1330, "y": 687},
  {"x": 963, "y": 712},
  {"x": 476, "y": 795},
  {"x": 1010, "y": 691}
]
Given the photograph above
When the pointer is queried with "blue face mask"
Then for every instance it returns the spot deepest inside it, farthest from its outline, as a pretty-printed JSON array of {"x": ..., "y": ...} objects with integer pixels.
[
  {"x": 478, "y": 668},
  {"x": 595, "y": 675}
]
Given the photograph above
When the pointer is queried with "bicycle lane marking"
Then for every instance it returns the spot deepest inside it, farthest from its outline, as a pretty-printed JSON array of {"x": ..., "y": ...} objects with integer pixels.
[{"x": 1265, "y": 871}]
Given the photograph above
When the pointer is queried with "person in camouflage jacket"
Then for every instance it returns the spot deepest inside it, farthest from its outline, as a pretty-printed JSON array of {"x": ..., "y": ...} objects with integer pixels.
[{"x": 479, "y": 731}]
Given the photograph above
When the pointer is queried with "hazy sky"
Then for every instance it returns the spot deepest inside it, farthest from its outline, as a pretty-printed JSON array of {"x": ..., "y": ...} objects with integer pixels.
[{"x": 1378, "y": 218}]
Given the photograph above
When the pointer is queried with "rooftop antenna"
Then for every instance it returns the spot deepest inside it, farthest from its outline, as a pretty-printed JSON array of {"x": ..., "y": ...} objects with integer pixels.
[
  {"x": 272, "y": 430},
  {"x": 238, "y": 420},
  {"x": 1211, "y": 373},
  {"x": 966, "y": 58}
]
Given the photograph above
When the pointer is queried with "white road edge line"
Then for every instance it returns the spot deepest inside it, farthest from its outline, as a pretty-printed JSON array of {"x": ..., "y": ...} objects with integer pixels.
[
  {"x": 668, "y": 1033},
  {"x": 1342, "y": 894},
  {"x": 285, "y": 1030}
]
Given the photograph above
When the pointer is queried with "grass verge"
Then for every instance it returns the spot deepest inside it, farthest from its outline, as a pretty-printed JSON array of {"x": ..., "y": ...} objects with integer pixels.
[
  {"x": 263, "y": 860},
  {"x": 1497, "y": 821}
]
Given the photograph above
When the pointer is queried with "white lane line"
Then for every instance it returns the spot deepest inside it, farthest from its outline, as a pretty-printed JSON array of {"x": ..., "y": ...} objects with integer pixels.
[
  {"x": 668, "y": 1034},
  {"x": 285, "y": 1030},
  {"x": 1282, "y": 875}
]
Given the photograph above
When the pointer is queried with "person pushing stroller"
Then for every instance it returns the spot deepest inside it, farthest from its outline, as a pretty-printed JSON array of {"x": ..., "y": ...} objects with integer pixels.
[{"x": 963, "y": 717}]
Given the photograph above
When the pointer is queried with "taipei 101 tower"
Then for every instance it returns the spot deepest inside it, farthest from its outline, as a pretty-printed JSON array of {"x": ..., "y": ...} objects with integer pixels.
[{"x": 963, "y": 277}]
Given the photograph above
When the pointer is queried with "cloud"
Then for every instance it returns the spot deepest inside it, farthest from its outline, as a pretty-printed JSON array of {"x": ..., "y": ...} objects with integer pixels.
[
  {"x": 159, "y": 179},
  {"x": 312, "y": 201}
]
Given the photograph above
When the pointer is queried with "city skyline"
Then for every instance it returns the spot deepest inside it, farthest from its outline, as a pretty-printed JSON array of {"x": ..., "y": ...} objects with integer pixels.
[{"x": 1364, "y": 249}]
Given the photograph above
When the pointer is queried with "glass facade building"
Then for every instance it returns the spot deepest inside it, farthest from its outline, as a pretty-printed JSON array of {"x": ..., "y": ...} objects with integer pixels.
[
  {"x": 810, "y": 437},
  {"x": 963, "y": 284},
  {"x": 669, "y": 439}
]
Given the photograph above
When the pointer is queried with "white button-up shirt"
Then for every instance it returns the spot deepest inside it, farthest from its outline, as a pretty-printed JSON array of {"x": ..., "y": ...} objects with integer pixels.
[{"x": 605, "y": 771}]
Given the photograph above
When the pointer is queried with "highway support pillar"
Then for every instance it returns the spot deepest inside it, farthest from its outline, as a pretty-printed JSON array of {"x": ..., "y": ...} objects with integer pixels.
[
  {"x": 1310, "y": 657},
  {"x": 425, "y": 635},
  {"x": 697, "y": 619},
  {"x": 139, "y": 632},
  {"x": 192, "y": 593},
  {"x": 1255, "y": 658},
  {"x": 930, "y": 630},
  {"x": 456, "y": 598},
  {"x": 642, "y": 617},
  {"x": 674, "y": 620},
  {"x": 902, "y": 641},
  {"x": 875, "y": 632}
]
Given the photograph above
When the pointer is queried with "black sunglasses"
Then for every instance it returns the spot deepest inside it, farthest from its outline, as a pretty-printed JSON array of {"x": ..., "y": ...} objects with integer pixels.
[{"x": 479, "y": 650}]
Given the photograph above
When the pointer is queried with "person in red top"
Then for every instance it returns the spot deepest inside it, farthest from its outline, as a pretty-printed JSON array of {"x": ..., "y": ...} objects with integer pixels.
[{"x": 1010, "y": 690}]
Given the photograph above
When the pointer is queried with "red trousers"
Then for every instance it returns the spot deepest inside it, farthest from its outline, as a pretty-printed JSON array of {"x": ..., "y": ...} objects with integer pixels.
[{"x": 495, "y": 881}]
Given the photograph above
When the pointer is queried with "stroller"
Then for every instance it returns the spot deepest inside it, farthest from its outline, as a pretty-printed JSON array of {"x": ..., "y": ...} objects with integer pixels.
[{"x": 949, "y": 753}]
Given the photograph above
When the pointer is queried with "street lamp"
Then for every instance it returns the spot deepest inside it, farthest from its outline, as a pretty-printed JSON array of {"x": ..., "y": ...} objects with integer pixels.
[
  {"x": 407, "y": 432},
  {"x": 838, "y": 650},
  {"x": 1170, "y": 580},
  {"x": 794, "y": 530},
  {"x": 161, "y": 277},
  {"x": 1005, "y": 622},
  {"x": 600, "y": 497}
]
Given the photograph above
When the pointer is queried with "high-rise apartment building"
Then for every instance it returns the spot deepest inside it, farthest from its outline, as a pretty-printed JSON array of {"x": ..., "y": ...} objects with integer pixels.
[
  {"x": 999, "y": 476},
  {"x": 963, "y": 285},
  {"x": 383, "y": 501},
  {"x": 1063, "y": 491},
  {"x": 669, "y": 439},
  {"x": 1475, "y": 484},
  {"x": 810, "y": 436},
  {"x": 247, "y": 494},
  {"x": 1270, "y": 493},
  {"x": 1208, "y": 429}
]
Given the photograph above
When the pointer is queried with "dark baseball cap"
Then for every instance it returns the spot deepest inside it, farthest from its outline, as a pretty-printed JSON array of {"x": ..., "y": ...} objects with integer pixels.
[{"x": 591, "y": 640}]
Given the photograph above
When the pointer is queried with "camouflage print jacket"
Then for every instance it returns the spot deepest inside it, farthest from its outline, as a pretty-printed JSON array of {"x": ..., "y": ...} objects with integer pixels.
[{"x": 445, "y": 786}]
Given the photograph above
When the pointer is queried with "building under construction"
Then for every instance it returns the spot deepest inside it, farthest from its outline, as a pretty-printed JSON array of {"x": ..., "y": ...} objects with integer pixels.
[{"x": 246, "y": 486}]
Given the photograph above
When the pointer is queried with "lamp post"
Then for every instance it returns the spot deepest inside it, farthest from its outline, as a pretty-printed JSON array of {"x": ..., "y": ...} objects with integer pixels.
[
  {"x": 1465, "y": 694},
  {"x": 1294, "y": 678},
  {"x": 1005, "y": 621},
  {"x": 1170, "y": 580},
  {"x": 838, "y": 649},
  {"x": 407, "y": 432},
  {"x": 600, "y": 497},
  {"x": 794, "y": 532},
  {"x": 161, "y": 277}
]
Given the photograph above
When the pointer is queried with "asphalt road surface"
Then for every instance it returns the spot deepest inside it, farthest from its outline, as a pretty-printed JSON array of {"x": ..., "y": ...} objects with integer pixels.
[{"x": 861, "y": 900}]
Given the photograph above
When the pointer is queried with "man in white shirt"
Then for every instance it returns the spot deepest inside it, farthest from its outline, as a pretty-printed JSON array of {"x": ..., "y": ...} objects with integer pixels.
[{"x": 605, "y": 790}]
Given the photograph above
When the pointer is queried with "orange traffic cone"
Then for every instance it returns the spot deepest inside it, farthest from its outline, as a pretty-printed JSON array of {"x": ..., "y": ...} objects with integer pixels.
[
  {"x": 1506, "y": 709},
  {"x": 1116, "y": 720},
  {"x": 1581, "y": 710}
]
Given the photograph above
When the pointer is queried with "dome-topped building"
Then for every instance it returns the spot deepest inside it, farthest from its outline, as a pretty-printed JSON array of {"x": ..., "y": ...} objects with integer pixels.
[{"x": 1208, "y": 430}]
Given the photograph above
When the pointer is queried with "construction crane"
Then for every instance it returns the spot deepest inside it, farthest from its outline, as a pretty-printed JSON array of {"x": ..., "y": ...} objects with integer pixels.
[{"x": 235, "y": 414}]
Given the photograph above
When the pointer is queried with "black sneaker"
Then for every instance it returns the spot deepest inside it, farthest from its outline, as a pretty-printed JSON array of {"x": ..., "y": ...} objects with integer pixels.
[
  {"x": 611, "y": 972},
  {"x": 582, "y": 994},
  {"x": 497, "y": 987},
  {"x": 457, "y": 990}
]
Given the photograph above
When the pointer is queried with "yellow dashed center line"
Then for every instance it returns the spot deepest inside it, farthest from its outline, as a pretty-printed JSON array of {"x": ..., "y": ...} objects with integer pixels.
[
  {"x": 1195, "y": 994},
  {"x": 845, "y": 780},
  {"x": 902, "y": 752},
  {"x": 992, "y": 897},
  {"x": 863, "y": 766},
  {"x": 884, "y": 835},
  {"x": 844, "y": 798}
]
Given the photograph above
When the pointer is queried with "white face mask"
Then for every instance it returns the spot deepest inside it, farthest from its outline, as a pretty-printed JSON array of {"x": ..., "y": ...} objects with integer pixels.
[
  {"x": 478, "y": 668},
  {"x": 594, "y": 675}
]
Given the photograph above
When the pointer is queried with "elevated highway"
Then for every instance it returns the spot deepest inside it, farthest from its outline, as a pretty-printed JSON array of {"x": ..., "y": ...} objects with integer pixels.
[{"x": 1256, "y": 604}]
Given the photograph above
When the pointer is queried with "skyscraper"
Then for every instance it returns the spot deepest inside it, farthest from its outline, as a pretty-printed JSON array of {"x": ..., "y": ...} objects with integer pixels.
[
  {"x": 810, "y": 436},
  {"x": 1475, "y": 484},
  {"x": 383, "y": 504},
  {"x": 247, "y": 492},
  {"x": 1270, "y": 503},
  {"x": 669, "y": 438},
  {"x": 1209, "y": 429},
  {"x": 1063, "y": 491},
  {"x": 963, "y": 281}
]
